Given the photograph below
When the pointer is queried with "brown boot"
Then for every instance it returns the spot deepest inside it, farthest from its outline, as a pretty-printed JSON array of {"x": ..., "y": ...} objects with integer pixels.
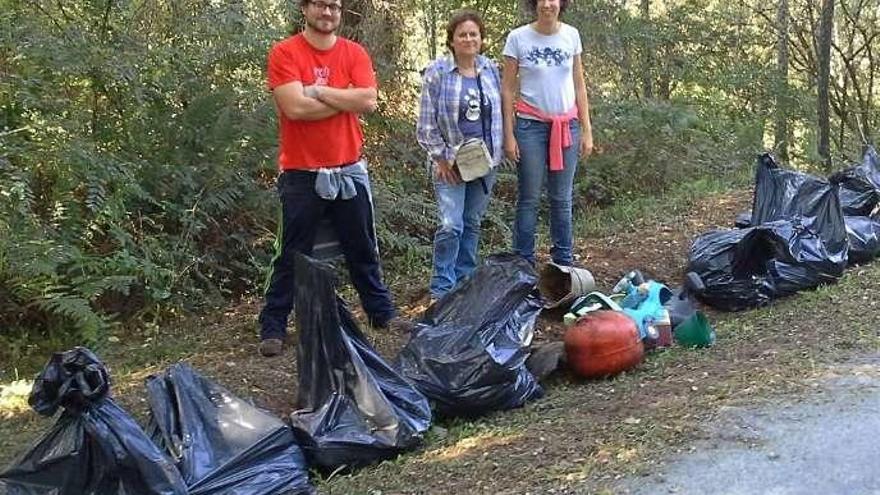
[
  {"x": 271, "y": 347},
  {"x": 400, "y": 325}
]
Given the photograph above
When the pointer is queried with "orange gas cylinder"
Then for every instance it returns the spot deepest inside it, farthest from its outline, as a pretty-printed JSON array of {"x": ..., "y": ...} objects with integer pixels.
[{"x": 603, "y": 343}]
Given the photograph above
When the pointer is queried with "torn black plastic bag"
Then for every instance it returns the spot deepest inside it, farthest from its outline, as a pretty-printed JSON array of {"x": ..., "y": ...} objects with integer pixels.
[
  {"x": 221, "y": 443},
  {"x": 95, "y": 447},
  {"x": 860, "y": 202},
  {"x": 468, "y": 355},
  {"x": 860, "y": 186},
  {"x": 354, "y": 409},
  {"x": 747, "y": 268},
  {"x": 782, "y": 194},
  {"x": 807, "y": 201},
  {"x": 799, "y": 256},
  {"x": 864, "y": 238},
  {"x": 797, "y": 240},
  {"x": 863, "y": 235},
  {"x": 713, "y": 257}
]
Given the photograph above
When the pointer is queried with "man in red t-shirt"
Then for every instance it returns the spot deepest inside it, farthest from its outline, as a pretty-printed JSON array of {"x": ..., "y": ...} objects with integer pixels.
[{"x": 321, "y": 83}]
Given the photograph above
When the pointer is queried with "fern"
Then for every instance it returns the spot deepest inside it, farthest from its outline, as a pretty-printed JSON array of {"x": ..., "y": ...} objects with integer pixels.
[
  {"x": 77, "y": 311},
  {"x": 92, "y": 287}
]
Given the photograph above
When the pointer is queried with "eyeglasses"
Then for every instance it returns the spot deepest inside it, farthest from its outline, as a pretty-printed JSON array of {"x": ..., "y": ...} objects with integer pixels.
[{"x": 335, "y": 8}]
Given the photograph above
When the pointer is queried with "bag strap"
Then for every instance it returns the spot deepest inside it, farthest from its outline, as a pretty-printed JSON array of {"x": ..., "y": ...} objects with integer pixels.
[
  {"x": 482, "y": 107},
  {"x": 485, "y": 187},
  {"x": 483, "y": 113}
]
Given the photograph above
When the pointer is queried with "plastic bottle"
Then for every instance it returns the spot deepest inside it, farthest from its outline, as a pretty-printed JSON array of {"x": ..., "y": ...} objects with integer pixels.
[
  {"x": 659, "y": 330},
  {"x": 633, "y": 278},
  {"x": 664, "y": 329},
  {"x": 644, "y": 304}
]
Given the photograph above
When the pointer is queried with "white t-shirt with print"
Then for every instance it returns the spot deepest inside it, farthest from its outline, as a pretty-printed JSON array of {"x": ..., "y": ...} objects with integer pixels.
[{"x": 545, "y": 66}]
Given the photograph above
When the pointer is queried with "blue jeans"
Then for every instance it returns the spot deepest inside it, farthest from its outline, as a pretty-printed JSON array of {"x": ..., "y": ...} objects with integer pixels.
[
  {"x": 533, "y": 138},
  {"x": 460, "y": 207}
]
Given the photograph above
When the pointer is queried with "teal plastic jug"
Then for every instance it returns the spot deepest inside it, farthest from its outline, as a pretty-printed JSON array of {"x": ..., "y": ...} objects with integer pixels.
[{"x": 644, "y": 304}]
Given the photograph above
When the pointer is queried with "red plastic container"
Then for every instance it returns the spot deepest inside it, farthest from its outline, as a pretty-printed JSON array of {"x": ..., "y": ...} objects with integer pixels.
[
  {"x": 664, "y": 337},
  {"x": 603, "y": 343}
]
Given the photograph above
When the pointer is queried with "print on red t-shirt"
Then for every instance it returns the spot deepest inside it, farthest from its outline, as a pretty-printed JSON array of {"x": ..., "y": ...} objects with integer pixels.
[{"x": 336, "y": 140}]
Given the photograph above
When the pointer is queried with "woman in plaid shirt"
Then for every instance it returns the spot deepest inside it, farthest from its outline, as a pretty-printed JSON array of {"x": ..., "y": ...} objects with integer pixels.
[{"x": 451, "y": 111}]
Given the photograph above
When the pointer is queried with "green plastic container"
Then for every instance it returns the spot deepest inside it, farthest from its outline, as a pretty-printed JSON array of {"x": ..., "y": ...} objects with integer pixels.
[{"x": 695, "y": 332}]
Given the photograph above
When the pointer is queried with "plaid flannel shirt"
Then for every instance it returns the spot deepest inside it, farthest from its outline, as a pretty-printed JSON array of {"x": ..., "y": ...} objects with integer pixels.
[{"x": 437, "y": 129}]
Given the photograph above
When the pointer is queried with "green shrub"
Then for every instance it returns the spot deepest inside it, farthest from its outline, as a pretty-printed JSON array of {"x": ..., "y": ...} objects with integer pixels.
[{"x": 645, "y": 147}]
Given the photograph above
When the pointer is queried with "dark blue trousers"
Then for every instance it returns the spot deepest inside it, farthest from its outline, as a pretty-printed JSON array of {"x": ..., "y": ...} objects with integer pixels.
[{"x": 302, "y": 211}]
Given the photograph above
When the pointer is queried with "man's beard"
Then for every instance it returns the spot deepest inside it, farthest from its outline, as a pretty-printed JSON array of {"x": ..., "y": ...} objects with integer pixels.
[{"x": 314, "y": 25}]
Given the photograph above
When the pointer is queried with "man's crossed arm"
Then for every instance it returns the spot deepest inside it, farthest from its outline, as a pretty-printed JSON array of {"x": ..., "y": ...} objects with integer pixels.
[{"x": 299, "y": 102}]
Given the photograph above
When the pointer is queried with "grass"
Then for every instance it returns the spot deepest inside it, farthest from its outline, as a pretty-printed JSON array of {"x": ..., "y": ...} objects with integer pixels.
[
  {"x": 584, "y": 434},
  {"x": 650, "y": 210}
]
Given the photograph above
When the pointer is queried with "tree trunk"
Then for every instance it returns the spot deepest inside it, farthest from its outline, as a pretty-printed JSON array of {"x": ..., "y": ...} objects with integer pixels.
[
  {"x": 432, "y": 30},
  {"x": 647, "y": 61},
  {"x": 826, "y": 29},
  {"x": 781, "y": 127}
]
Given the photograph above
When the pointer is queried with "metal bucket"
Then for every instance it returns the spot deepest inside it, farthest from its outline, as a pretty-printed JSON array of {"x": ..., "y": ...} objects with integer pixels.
[{"x": 560, "y": 285}]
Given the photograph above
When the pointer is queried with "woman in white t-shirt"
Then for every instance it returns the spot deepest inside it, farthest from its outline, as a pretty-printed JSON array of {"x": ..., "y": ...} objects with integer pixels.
[{"x": 546, "y": 123}]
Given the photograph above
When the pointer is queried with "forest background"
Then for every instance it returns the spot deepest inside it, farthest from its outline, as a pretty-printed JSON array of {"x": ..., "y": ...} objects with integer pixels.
[{"x": 137, "y": 138}]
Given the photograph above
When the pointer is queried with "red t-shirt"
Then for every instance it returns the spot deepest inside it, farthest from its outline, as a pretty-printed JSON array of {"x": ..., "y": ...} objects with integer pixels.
[{"x": 336, "y": 140}]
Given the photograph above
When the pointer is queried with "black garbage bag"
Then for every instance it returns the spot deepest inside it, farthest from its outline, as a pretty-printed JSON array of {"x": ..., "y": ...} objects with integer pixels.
[
  {"x": 354, "y": 409},
  {"x": 799, "y": 257},
  {"x": 772, "y": 260},
  {"x": 714, "y": 255},
  {"x": 787, "y": 194},
  {"x": 860, "y": 186},
  {"x": 864, "y": 238},
  {"x": 469, "y": 353},
  {"x": 743, "y": 220},
  {"x": 747, "y": 268},
  {"x": 221, "y": 443},
  {"x": 809, "y": 202},
  {"x": 797, "y": 240},
  {"x": 95, "y": 447}
]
